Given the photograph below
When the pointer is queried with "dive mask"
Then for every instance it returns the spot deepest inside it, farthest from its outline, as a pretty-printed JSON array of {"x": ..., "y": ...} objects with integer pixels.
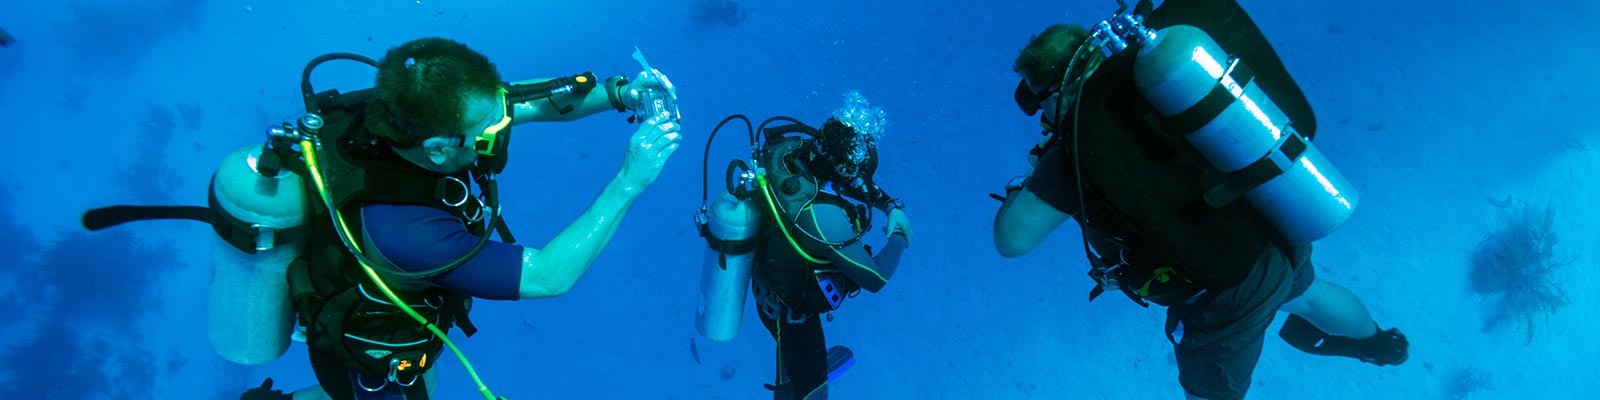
[
  {"x": 493, "y": 142},
  {"x": 1031, "y": 102}
]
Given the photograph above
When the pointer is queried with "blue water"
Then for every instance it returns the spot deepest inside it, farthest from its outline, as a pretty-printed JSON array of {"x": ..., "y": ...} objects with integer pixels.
[{"x": 1432, "y": 109}]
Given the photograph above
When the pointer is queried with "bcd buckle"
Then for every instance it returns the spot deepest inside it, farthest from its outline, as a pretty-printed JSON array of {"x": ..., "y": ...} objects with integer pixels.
[{"x": 411, "y": 363}]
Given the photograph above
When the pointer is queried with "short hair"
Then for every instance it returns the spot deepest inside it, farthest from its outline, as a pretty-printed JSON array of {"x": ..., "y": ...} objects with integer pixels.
[
  {"x": 422, "y": 90},
  {"x": 1048, "y": 53}
]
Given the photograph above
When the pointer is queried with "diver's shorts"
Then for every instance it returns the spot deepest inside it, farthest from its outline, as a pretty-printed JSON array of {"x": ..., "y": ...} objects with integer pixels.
[{"x": 1222, "y": 333}]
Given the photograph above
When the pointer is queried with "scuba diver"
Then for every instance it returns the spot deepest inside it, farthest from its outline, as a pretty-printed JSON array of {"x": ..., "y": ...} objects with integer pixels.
[
  {"x": 1188, "y": 163},
  {"x": 793, "y": 219},
  {"x": 370, "y": 217}
]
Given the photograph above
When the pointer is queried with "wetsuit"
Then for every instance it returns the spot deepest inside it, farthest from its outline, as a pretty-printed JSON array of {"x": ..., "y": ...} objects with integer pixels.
[
  {"x": 418, "y": 238},
  {"x": 790, "y": 295}
]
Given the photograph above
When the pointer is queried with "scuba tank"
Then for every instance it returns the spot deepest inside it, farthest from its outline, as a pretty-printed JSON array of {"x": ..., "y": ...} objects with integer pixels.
[
  {"x": 729, "y": 224},
  {"x": 1245, "y": 133},
  {"x": 249, "y": 317},
  {"x": 1210, "y": 99}
]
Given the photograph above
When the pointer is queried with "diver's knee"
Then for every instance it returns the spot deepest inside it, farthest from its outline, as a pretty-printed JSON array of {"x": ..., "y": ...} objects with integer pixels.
[{"x": 1305, "y": 302}]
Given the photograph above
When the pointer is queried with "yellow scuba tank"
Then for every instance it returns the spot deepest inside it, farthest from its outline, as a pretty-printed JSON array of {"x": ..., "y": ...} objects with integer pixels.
[
  {"x": 1189, "y": 78},
  {"x": 249, "y": 315}
]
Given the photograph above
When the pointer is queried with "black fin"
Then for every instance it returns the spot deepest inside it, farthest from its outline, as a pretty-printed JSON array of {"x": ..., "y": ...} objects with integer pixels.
[{"x": 1384, "y": 348}]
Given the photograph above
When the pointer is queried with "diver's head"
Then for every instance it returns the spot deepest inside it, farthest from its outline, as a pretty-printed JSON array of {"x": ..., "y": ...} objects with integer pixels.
[
  {"x": 1042, "y": 63},
  {"x": 436, "y": 99},
  {"x": 847, "y": 144}
]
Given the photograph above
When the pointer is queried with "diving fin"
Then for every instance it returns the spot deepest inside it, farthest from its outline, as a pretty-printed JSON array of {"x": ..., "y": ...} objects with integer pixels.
[
  {"x": 840, "y": 359},
  {"x": 1387, "y": 347}
]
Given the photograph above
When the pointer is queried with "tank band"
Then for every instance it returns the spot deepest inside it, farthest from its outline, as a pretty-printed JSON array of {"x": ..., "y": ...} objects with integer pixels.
[
  {"x": 1269, "y": 166},
  {"x": 1209, "y": 107}
]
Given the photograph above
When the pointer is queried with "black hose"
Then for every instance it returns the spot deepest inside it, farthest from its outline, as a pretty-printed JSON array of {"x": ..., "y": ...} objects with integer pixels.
[
  {"x": 306, "y": 92},
  {"x": 705, "y": 160},
  {"x": 737, "y": 163}
]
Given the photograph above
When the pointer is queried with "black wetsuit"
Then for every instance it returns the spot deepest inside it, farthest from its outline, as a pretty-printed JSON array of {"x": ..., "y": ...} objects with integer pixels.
[{"x": 788, "y": 288}]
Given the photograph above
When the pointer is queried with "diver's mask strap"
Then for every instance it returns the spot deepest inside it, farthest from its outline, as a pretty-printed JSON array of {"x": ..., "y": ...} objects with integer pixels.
[{"x": 406, "y": 126}]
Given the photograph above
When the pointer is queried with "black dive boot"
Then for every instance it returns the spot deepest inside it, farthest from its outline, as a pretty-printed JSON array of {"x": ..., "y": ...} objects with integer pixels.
[
  {"x": 265, "y": 392},
  {"x": 1387, "y": 347}
]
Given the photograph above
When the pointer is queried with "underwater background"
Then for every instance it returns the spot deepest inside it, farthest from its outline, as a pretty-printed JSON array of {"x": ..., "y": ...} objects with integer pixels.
[{"x": 1469, "y": 128}]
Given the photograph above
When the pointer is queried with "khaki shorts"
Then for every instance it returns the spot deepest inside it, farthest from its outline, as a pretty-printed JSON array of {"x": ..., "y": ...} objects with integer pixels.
[{"x": 1218, "y": 338}]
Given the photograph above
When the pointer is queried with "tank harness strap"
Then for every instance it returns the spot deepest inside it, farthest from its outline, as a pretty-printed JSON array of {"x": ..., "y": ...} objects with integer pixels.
[
  {"x": 384, "y": 185},
  {"x": 457, "y": 309},
  {"x": 1237, "y": 183},
  {"x": 303, "y": 293},
  {"x": 1208, "y": 108},
  {"x": 245, "y": 236},
  {"x": 106, "y": 217},
  {"x": 504, "y": 231},
  {"x": 725, "y": 247}
]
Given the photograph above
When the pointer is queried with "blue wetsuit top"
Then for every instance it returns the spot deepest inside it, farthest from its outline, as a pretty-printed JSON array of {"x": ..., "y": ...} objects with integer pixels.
[{"x": 419, "y": 238}]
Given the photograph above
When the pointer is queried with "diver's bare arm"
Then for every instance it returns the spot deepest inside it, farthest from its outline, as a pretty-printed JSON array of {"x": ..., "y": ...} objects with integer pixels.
[
  {"x": 583, "y": 105},
  {"x": 555, "y": 269},
  {"x": 1023, "y": 223}
]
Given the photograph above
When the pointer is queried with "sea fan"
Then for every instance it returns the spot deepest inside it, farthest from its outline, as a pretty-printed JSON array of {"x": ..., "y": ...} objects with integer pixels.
[{"x": 1515, "y": 267}]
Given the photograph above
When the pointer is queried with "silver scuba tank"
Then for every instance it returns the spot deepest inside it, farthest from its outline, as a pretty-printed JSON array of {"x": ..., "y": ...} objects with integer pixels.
[
  {"x": 249, "y": 314},
  {"x": 1307, "y": 198},
  {"x": 732, "y": 225}
]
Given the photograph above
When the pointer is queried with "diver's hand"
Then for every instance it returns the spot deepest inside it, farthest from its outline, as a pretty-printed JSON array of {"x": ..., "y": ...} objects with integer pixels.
[
  {"x": 644, "y": 82},
  {"x": 648, "y": 151},
  {"x": 898, "y": 223}
]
